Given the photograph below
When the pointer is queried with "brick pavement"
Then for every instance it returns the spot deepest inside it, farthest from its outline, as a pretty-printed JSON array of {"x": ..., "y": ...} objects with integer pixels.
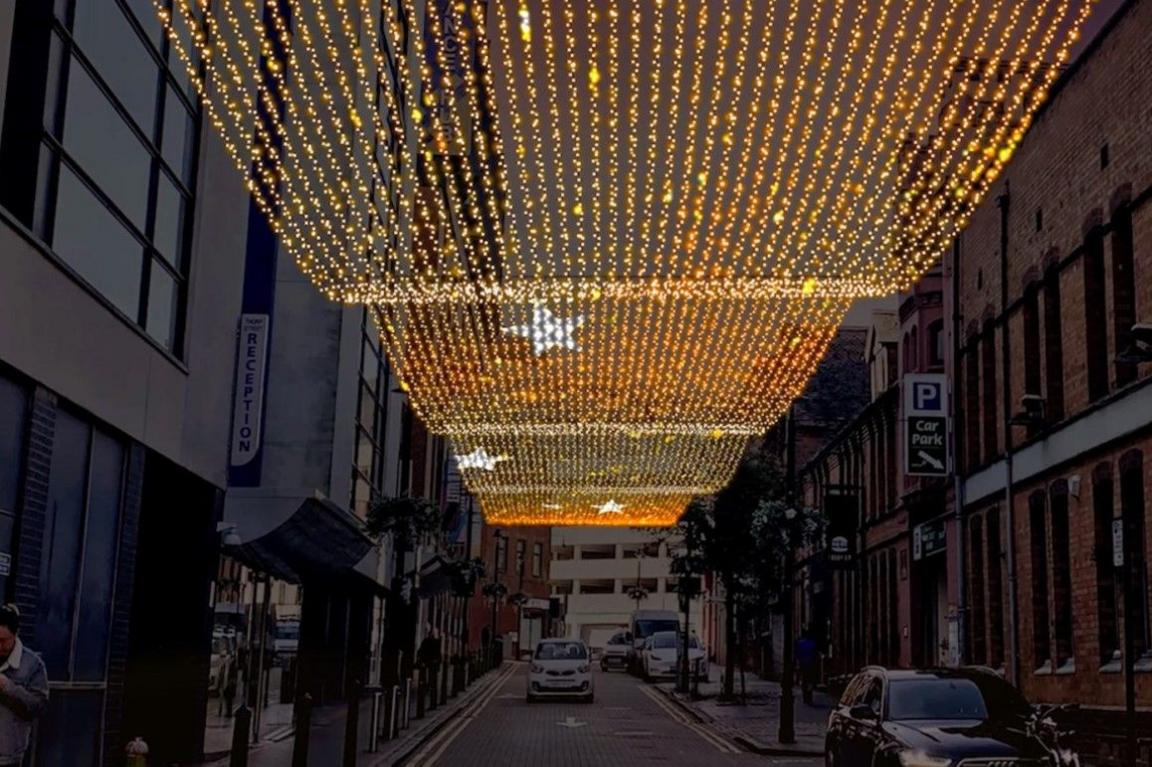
[
  {"x": 629, "y": 723},
  {"x": 754, "y": 723}
]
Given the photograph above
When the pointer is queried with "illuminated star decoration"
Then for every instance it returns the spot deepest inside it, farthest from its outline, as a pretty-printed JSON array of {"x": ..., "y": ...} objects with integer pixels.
[
  {"x": 548, "y": 331},
  {"x": 479, "y": 459},
  {"x": 610, "y": 508}
]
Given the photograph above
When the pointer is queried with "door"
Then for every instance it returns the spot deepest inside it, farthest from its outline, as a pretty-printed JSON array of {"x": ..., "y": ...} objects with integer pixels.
[{"x": 866, "y": 731}]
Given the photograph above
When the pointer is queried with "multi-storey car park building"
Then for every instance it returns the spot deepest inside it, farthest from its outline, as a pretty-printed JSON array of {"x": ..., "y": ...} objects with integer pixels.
[{"x": 594, "y": 570}]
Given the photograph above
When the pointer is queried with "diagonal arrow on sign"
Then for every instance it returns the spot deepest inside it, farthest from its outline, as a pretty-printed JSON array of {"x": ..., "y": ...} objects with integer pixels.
[{"x": 571, "y": 723}]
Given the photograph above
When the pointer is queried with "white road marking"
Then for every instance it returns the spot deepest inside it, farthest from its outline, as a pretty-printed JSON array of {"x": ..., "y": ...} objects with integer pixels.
[
  {"x": 679, "y": 716},
  {"x": 571, "y": 723}
]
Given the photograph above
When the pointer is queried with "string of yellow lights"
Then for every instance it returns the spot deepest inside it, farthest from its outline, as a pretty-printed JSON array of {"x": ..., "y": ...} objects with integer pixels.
[{"x": 606, "y": 243}]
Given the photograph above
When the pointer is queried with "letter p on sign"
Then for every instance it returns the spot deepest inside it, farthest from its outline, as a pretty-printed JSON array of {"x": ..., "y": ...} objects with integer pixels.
[{"x": 926, "y": 396}]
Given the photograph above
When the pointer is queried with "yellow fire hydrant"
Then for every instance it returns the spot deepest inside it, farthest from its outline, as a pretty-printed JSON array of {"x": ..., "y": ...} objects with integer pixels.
[{"x": 137, "y": 752}]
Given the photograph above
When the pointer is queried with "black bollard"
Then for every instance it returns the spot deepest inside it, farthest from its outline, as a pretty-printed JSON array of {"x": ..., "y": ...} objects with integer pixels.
[
  {"x": 303, "y": 731},
  {"x": 421, "y": 689},
  {"x": 352, "y": 724},
  {"x": 241, "y": 726}
]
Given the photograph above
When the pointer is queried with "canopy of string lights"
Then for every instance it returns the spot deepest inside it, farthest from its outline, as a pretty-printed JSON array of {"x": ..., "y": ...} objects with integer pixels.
[{"x": 608, "y": 241}]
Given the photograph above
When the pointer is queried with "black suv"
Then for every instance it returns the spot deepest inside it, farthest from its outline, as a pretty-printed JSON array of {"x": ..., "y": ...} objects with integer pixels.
[{"x": 933, "y": 718}]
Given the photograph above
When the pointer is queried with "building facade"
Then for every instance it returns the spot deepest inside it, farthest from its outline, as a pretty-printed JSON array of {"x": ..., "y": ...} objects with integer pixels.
[
  {"x": 595, "y": 570},
  {"x": 1054, "y": 422},
  {"x": 1030, "y": 555},
  {"x": 122, "y": 258}
]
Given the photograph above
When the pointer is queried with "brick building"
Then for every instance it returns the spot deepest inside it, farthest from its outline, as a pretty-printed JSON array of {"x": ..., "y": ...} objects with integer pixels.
[
  {"x": 881, "y": 601},
  {"x": 1050, "y": 277},
  {"x": 519, "y": 558}
]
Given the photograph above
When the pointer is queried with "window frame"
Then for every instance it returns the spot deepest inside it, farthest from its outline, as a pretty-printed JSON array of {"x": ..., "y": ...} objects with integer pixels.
[{"x": 62, "y": 52}]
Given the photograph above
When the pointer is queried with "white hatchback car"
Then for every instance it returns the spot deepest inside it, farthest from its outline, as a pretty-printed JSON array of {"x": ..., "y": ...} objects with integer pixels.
[{"x": 560, "y": 667}]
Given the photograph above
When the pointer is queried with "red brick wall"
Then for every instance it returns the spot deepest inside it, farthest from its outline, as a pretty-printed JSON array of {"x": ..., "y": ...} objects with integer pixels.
[{"x": 1058, "y": 170}]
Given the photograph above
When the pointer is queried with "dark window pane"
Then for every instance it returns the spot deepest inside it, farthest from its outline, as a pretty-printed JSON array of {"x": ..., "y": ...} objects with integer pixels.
[
  {"x": 64, "y": 523},
  {"x": 371, "y": 366},
  {"x": 70, "y": 732},
  {"x": 101, "y": 142},
  {"x": 101, "y": 533},
  {"x": 178, "y": 132},
  {"x": 107, "y": 38},
  {"x": 13, "y": 413},
  {"x": 96, "y": 245},
  {"x": 169, "y": 234},
  {"x": 145, "y": 13},
  {"x": 163, "y": 295}
]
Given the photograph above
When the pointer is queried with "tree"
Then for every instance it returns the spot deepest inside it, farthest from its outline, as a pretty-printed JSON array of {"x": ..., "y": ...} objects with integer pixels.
[
  {"x": 733, "y": 552},
  {"x": 781, "y": 531},
  {"x": 409, "y": 522}
]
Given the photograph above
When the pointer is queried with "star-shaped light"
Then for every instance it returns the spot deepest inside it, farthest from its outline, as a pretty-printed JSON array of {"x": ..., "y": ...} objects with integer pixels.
[
  {"x": 479, "y": 459},
  {"x": 548, "y": 331},
  {"x": 610, "y": 508}
]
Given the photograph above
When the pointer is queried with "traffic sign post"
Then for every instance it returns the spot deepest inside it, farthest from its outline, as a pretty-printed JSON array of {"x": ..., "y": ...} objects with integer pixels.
[{"x": 926, "y": 425}]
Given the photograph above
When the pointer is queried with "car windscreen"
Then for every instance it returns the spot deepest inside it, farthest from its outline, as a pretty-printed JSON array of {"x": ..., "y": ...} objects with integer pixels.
[
  {"x": 620, "y": 638},
  {"x": 935, "y": 699},
  {"x": 646, "y": 628},
  {"x": 664, "y": 640},
  {"x": 561, "y": 651}
]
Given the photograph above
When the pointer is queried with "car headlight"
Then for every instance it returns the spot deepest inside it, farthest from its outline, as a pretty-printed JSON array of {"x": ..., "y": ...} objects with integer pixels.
[
  {"x": 917, "y": 758},
  {"x": 537, "y": 669},
  {"x": 582, "y": 669}
]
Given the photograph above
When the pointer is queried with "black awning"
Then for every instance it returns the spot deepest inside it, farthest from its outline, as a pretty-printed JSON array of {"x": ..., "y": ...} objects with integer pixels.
[{"x": 319, "y": 540}]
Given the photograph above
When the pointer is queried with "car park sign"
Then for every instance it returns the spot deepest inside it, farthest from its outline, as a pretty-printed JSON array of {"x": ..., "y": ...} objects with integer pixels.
[{"x": 925, "y": 425}]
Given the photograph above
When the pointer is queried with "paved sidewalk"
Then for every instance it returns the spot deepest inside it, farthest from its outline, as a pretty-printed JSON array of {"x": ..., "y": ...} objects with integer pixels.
[
  {"x": 326, "y": 747},
  {"x": 754, "y": 723}
]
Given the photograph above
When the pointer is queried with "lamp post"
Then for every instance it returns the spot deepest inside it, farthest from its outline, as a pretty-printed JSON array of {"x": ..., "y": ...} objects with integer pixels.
[
  {"x": 497, "y": 537},
  {"x": 787, "y": 732}
]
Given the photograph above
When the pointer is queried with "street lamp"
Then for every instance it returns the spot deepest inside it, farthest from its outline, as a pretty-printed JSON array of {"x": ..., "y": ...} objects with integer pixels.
[
  {"x": 787, "y": 731},
  {"x": 497, "y": 536}
]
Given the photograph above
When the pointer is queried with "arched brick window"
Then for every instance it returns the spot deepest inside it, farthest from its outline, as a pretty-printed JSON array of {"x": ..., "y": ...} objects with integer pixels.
[
  {"x": 1123, "y": 290},
  {"x": 1095, "y": 315},
  {"x": 988, "y": 377},
  {"x": 995, "y": 592},
  {"x": 1038, "y": 569},
  {"x": 1103, "y": 508},
  {"x": 1053, "y": 347},
  {"x": 976, "y": 626},
  {"x": 1133, "y": 510},
  {"x": 1061, "y": 573}
]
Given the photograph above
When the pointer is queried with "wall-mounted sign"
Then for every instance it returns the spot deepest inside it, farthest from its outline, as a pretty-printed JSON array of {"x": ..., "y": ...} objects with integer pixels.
[
  {"x": 248, "y": 395},
  {"x": 928, "y": 539},
  {"x": 926, "y": 425},
  {"x": 842, "y": 510}
]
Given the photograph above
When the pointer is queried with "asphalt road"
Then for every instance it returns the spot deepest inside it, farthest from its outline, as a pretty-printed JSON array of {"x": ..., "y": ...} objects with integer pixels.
[{"x": 629, "y": 723}]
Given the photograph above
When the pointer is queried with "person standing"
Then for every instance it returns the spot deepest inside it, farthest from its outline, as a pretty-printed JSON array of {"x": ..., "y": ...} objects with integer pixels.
[
  {"x": 806, "y": 658},
  {"x": 23, "y": 689}
]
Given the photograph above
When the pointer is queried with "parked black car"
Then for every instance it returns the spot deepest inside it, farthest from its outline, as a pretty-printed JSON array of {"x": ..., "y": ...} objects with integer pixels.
[{"x": 967, "y": 717}]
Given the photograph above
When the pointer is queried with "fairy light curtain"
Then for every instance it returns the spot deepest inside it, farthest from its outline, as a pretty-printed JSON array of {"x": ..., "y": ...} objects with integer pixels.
[{"x": 608, "y": 241}]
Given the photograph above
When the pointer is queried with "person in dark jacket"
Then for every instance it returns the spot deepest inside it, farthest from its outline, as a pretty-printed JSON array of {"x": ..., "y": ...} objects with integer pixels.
[
  {"x": 23, "y": 689},
  {"x": 807, "y": 658}
]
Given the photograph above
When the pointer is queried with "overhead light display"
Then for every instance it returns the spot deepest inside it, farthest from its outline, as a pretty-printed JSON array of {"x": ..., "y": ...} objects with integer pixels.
[{"x": 606, "y": 242}]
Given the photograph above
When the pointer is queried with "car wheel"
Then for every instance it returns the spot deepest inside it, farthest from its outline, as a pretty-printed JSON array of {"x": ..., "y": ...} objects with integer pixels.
[{"x": 529, "y": 699}]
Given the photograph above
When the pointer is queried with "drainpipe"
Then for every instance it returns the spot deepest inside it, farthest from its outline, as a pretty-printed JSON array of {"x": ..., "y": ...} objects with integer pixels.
[
  {"x": 1004, "y": 203},
  {"x": 958, "y": 485}
]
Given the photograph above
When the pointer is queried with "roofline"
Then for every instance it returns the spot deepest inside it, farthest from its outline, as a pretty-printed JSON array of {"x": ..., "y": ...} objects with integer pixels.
[{"x": 1088, "y": 53}]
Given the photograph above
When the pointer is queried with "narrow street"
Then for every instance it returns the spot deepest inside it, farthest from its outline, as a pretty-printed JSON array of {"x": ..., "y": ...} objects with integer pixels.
[{"x": 629, "y": 723}]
